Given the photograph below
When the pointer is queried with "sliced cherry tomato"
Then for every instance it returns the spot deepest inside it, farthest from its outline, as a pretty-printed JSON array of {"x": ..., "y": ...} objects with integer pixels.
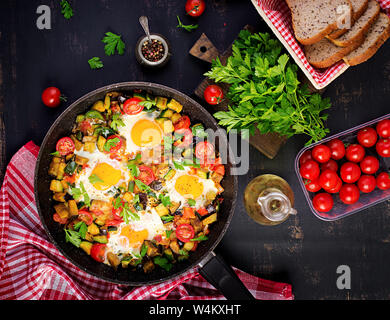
[
  {"x": 310, "y": 170},
  {"x": 114, "y": 147},
  {"x": 367, "y": 137},
  {"x": 188, "y": 213},
  {"x": 328, "y": 180},
  {"x": 65, "y": 146},
  {"x": 204, "y": 150},
  {"x": 213, "y": 94},
  {"x": 185, "y": 232},
  {"x": 98, "y": 252},
  {"x": 305, "y": 157},
  {"x": 51, "y": 97},
  {"x": 312, "y": 186},
  {"x": 355, "y": 153},
  {"x": 337, "y": 149},
  {"x": 202, "y": 211},
  {"x": 85, "y": 127},
  {"x": 383, "y": 148},
  {"x": 132, "y": 106},
  {"x": 383, "y": 128},
  {"x": 186, "y": 140},
  {"x": 183, "y": 123},
  {"x": 323, "y": 202},
  {"x": 350, "y": 172},
  {"x": 321, "y": 153},
  {"x": 367, "y": 183},
  {"x": 383, "y": 181},
  {"x": 85, "y": 216},
  {"x": 349, "y": 194},
  {"x": 195, "y": 8},
  {"x": 57, "y": 218},
  {"x": 331, "y": 165},
  {"x": 369, "y": 165},
  {"x": 146, "y": 175}
]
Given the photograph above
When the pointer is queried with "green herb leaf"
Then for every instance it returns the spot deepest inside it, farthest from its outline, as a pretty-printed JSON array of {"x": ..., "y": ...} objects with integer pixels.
[
  {"x": 163, "y": 263},
  {"x": 66, "y": 9},
  {"x": 55, "y": 154},
  {"x": 178, "y": 166},
  {"x": 165, "y": 200},
  {"x": 144, "y": 249},
  {"x": 113, "y": 43},
  {"x": 95, "y": 63},
  {"x": 111, "y": 144},
  {"x": 189, "y": 27},
  {"x": 116, "y": 122},
  {"x": 73, "y": 237},
  {"x": 70, "y": 168},
  {"x": 191, "y": 202},
  {"x": 168, "y": 233},
  {"x": 94, "y": 179},
  {"x": 201, "y": 238}
]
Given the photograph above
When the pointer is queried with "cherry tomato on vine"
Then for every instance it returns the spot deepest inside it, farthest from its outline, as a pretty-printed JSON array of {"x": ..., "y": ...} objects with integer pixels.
[
  {"x": 369, "y": 165},
  {"x": 383, "y": 181},
  {"x": 383, "y": 128},
  {"x": 367, "y": 137},
  {"x": 213, "y": 94},
  {"x": 355, "y": 153},
  {"x": 51, "y": 97},
  {"x": 195, "y": 8},
  {"x": 321, "y": 153},
  {"x": 323, "y": 202},
  {"x": 310, "y": 170},
  {"x": 367, "y": 183},
  {"x": 337, "y": 149},
  {"x": 349, "y": 194},
  {"x": 350, "y": 172},
  {"x": 383, "y": 148}
]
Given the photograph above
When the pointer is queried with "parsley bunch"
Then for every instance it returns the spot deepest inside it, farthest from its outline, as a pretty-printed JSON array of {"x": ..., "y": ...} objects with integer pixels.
[{"x": 265, "y": 93}]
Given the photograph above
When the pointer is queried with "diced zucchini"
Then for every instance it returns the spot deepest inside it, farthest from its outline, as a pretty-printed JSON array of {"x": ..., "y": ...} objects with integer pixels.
[
  {"x": 167, "y": 113},
  {"x": 59, "y": 197},
  {"x": 188, "y": 246},
  {"x": 169, "y": 254},
  {"x": 174, "y": 206},
  {"x": 93, "y": 229},
  {"x": 90, "y": 139},
  {"x": 128, "y": 196},
  {"x": 176, "y": 117},
  {"x": 62, "y": 210},
  {"x": 73, "y": 209},
  {"x": 150, "y": 97},
  {"x": 89, "y": 237},
  {"x": 90, "y": 147},
  {"x": 77, "y": 143},
  {"x": 171, "y": 173},
  {"x": 107, "y": 102},
  {"x": 162, "y": 210},
  {"x": 113, "y": 259},
  {"x": 56, "y": 186},
  {"x": 53, "y": 169},
  {"x": 93, "y": 114},
  {"x": 161, "y": 103},
  {"x": 80, "y": 118},
  {"x": 209, "y": 220},
  {"x": 61, "y": 171},
  {"x": 100, "y": 239},
  {"x": 139, "y": 96},
  {"x": 175, "y": 106},
  {"x": 81, "y": 160},
  {"x": 161, "y": 121},
  {"x": 182, "y": 257},
  {"x": 99, "y": 106},
  {"x": 101, "y": 142},
  {"x": 202, "y": 174},
  {"x": 152, "y": 250},
  {"x": 168, "y": 126},
  {"x": 86, "y": 246}
]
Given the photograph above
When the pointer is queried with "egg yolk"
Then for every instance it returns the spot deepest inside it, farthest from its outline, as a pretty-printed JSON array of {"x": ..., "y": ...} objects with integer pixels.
[
  {"x": 189, "y": 186},
  {"x": 106, "y": 175},
  {"x": 135, "y": 238},
  {"x": 146, "y": 133}
]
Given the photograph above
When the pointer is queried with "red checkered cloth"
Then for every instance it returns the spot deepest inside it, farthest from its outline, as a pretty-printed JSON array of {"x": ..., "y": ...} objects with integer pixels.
[
  {"x": 32, "y": 268},
  {"x": 278, "y": 13}
]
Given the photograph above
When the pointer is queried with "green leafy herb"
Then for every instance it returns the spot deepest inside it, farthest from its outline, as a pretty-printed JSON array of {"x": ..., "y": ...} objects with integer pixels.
[
  {"x": 113, "y": 43},
  {"x": 144, "y": 249},
  {"x": 82, "y": 229},
  {"x": 191, "y": 202},
  {"x": 87, "y": 199},
  {"x": 94, "y": 179},
  {"x": 134, "y": 171},
  {"x": 55, "y": 154},
  {"x": 111, "y": 144},
  {"x": 142, "y": 186},
  {"x": 165, "y": 200},
  {"x": 116, "y": 122},
  {"x": 188, "y": 27},
  {"x": 201, "y": 238},
  {"x": 95, "y": 63},
  {"x": 167, "y": 218},
  {"x": 73, "y": 237},
  {"x": 66, "y": 9},
  {"x": 76, "y": 193},
  {"x": 148, "y": 104},
  {"x": 265, "y": 93},
  {"x": 163, "y": 263},
  {"x": 199, "y": 131},
  {"x": 178, "y": 165},
  {"x": 168, "y": 233}
]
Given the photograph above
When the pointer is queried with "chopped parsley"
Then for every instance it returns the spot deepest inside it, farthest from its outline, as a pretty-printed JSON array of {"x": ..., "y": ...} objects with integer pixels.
[
  {"x": 114, "y": 44},
  {"x": 95, "y": 63}
]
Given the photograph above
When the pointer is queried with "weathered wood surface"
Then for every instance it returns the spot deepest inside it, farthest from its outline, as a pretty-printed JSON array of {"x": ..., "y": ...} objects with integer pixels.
[{"x": 304, "y": 251}]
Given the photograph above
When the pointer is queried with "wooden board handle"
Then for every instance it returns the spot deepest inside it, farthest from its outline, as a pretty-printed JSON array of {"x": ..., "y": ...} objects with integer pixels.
[{"x": 204, "y": 49}]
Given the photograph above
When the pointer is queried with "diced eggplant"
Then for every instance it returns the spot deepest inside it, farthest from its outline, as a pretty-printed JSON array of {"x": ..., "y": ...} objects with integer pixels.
[
  {"x": 156, "y": 185},
  {"x": 174, "y": 246},
  {"x": 211, "y": 209},
  {"x": 73, "y": 209},
  {"x": 148, "y": 266},
  {"x": 59, "y": 197},
  {"x": 143, "y": 199},
  {"x": 209, "y": 220},
  {"x": 152, "y": 250},
  {"x": 113, "y": 259},
  {"x": 62, "y": 210},
  {"x": 81, "y": 160}
]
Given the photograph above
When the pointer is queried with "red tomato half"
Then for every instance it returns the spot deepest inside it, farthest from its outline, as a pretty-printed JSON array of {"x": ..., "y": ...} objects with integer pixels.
[
  {"x": 204, "y": 150},
  {"x": 355, "y": 153},
  {"x": 57, "y": 218},
  {"x": 369, "y": 165},
  {"x": 367, "y": 137},
  {"x": 383, "y": 128},
  {"x": 195, "y": 8},
  {"x": 213, "y": 94},
  {"x": 116, "y": 147},
  {"x": 350, "y": 172},
  {"x": 383, "y": 148},
  {"x": 146, "y": 175},
  {"x": 349, "y": 194},
  {"x": 85, "y": 216},
  {"x": 337, "y": 149},
  {"x": 65, "y": 146},
  {"x": 132, "y": 106},
  {"x": 183, "y": 123},
  {"x": 367, "y": 183},
  {"x": 323, "y": 202},
  {"x": 98, "y": 252},
  {"x": 185, "y": 232},
  {"x": 383, "y": 181},
  {"x": 321, "y": 153}
]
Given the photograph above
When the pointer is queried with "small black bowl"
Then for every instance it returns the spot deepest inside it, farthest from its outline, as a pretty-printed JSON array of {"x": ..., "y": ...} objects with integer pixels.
[{"x": 145, "y": 62}]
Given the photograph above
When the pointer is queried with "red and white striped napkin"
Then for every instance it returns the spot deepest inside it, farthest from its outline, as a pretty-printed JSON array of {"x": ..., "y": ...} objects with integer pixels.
[{"x": 31, "y": 267}]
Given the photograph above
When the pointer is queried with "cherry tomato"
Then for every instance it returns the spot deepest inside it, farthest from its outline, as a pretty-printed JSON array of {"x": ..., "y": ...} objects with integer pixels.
[
  {"x": 51, "y": 97},
  {"x": 146, "y": 175},
  {"x": 185, "y": 232},
  {"x": 350, "y": 172},
  {"x": 383, "y": 128},
  {"x": 183, "y": 123},
  {"x": 85, "y": 127},
  {"x": 355, "y": 153},
  {"x": 310, "y": 170},
  {"x": 65, "y": 146},
  {"x": 186, "y": 140},
  {"x": 85, "y": 216},
  {"x": 367, "y": 183},
  {"x": 132, "y": 106},
  {"x": 305, "y": 157},
  {"x": 213, "y": 94},
  {"x": 367, "y": 137},
  {"x": 331, "y": 165},
  {"x": 337, "y": 149},
  {"x": 321, "y": 153},
  {"x": 369, "y": 165},
  {"x": 188, "y": 213},
  {"x": 115, "y": 147},
  {"x": 204, "y": 150},
  {"x": 195, "y": 8},
  {"x": 383, "y": 148},
  {"x": 98, "y": 252},
  {"x": 349, "y": 194},
  {"x": 383, "y": 181},
  {"x": 323, "y": 202},
  {"x": 203, "y": 212},
  {"x": 337, "y": 188},
  {"x": 312, "y": 186},
  {"x": 328, "y": 180},
  {"x": 57, "y": 218}
]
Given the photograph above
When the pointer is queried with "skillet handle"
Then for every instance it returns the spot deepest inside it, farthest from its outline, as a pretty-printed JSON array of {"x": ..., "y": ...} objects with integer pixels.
[{"x": 216, "y": 271}]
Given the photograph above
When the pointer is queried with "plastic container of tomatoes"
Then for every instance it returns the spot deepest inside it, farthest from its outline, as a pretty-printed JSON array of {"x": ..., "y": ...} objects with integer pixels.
[{"x": 366, "y": 200}]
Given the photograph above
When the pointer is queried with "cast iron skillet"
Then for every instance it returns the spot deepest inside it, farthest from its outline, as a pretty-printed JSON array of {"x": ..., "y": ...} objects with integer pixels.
[{"x": 211, "y": 266}]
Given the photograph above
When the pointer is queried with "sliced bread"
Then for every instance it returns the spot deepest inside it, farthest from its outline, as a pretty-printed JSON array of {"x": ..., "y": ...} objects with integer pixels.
[
  {"x": 361, "y": 26},
  {"x": 376, "y": 37},
  {"x": 314, "y": 19},
  {"x": 358, "y": 7},
  {"x": 324, "y": 53}
]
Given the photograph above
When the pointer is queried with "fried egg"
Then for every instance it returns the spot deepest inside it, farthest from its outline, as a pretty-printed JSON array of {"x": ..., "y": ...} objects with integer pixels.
[
  {"x": 141, "y": 131},
  {"x": 184, "y": 186},
  {"x": 128, "y": 239}
]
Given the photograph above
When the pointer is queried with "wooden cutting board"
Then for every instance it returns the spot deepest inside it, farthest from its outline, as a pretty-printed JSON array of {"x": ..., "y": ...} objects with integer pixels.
[{"x": 268, "y": 144}]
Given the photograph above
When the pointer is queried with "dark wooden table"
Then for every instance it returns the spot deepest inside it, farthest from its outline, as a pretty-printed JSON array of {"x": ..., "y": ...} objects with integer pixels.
[{"x": 303, "y": 251}]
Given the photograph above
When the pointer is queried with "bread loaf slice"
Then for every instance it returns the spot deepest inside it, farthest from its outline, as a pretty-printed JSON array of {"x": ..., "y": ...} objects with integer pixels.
[
  {"x": 358, "y": 7},
  {"x": 361, "y": 26},
  {"x": 376, "y": 37},
  {"x": 324, "y": 53},
  {"x": 314, "y": 19}
]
